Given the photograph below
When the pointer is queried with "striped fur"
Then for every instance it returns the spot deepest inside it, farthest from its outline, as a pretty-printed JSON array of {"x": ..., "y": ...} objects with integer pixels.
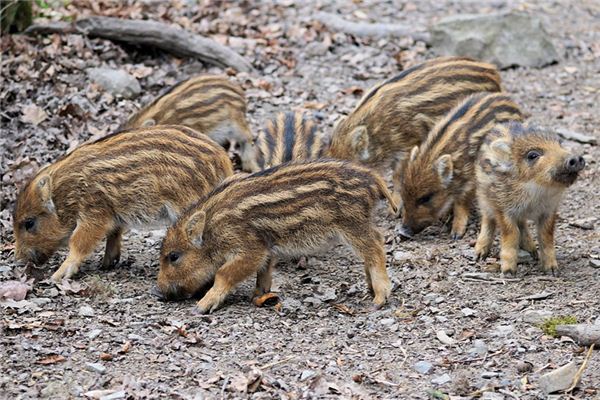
[
  {"x": 133, "y": 178},
  {"x": 440, "y": 174},
  {"x": 398, "y": 114},
  {"x": 289, "y": 137},
  {"x": 522, "y": 174},
  {"x": 288, "y": 210},
  {"x": 210, "y": 104}
]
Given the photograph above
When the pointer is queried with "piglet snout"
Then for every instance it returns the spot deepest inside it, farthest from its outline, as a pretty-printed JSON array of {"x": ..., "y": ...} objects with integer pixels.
[{"x": 575, "y": 164}]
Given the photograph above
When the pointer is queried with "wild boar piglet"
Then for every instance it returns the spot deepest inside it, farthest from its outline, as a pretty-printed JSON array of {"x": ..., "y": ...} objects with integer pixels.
[
  {"x": 439, "y": 175},
  {"x": 286, "y": 211},
  {"x": 290, "y": 136},
  {"x": 397, "y": 114},
  {"x": 211, "y": 104},
  {"x": 522, "y": 174},
  {"x": 140, "y": 178}
]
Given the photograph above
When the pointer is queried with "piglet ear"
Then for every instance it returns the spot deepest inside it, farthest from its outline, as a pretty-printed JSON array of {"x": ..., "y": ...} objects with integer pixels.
[
  {"x": 195, "y": 227},
  {"x": 500, "y": 147},
  {"x": 499, "y": 156},
  {"x": 413, "y": 153},
  {"x": 148, "y": 123},
  {"x": 44, "y": 186},
  {"x": 445, "y": 169},
  {"x": 360, "y": 142}
]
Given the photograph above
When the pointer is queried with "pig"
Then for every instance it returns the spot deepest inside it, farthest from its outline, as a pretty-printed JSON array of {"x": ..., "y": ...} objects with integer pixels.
[
  {"x": 211, "y": 104},
  {"x": 522, "y": 173},
  {"x": 290, "y": 136},
  {"x": 285, "y": 211},
  {"x": 397, "y": 115},
  {"x": 439, "y": 175},
  {"x": 139, "y": 178}
]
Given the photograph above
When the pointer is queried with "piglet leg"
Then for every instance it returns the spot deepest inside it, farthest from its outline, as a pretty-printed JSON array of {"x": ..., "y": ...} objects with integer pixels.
[
  {"x": 82, "y": 243},
  {"x": 545, "y": 229},
  {"x": 112, "y": 254},
  {"x": 231, "y": 274}
]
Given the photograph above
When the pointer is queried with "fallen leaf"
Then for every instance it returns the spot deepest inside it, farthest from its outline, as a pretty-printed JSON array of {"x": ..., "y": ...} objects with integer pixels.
[
  {"x": 52, "y": 359},
  {"x": 106, "y": 356},
  {"x": 125, "y": 348},
  {"x": 267, "y": 299},
  {"x": 344, "y": 309},
  {"x": 14, "y": 290},
  {"x": 313, "y": 105},
  {"x": 33, "y": 114}
]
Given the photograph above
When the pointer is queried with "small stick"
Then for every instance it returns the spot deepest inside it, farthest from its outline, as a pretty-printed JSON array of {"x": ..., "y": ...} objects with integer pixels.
[
  {"x": 579, "y": 373},
  {"x": 267, "y": 366}
]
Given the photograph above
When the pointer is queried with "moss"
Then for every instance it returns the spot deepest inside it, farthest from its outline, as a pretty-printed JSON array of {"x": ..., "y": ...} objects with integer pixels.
[{"x": 549, "y": 324}]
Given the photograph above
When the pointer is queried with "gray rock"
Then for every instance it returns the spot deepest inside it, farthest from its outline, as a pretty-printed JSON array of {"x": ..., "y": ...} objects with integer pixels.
[
  {"x": 559, "y": 379},
  {"x": 536, "y": 317},
  {"x": 468, "y": 312},
  {"x": 492, "y": 396},
  {"x": 307, "y": 374},
  {"x": 489, "y": 374},
  {"x": 441, "y": 379},
  {"x": 594, "y": 263},
  {"x": 423, "y": 367},
  {"x": 524, "y": 256},
  {"x": 506, "y": 39},
  {"x": 402, "y": 255},
  {"x": 94, "y": 333},
  {"x": 86, "y": 311},
  {"x": 315, "y": 49},
  {"x": 503, "y": 330},
  {"x": 387, "y": 321},
  {"x": 95, "y": 367},
  {"x": 479, "y": 348},
  {"x": 115, "y": 81}
]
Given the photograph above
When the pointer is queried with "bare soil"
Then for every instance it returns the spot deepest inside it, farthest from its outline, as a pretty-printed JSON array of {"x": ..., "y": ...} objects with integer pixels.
[{"x": 324, "y": 342}]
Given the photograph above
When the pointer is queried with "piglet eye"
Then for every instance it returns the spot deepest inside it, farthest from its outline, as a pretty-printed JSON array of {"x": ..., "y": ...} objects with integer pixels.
[
  {"x": 173, "y": 256},
  {"x": 29, "y": 224},
  {"x": 533, "y": 155},
  {"x": 424, "y": 199}
]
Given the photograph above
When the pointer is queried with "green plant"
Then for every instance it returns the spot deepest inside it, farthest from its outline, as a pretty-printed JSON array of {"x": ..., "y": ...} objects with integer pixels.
[
  {"x": 15, "y": 15},
  {"x": 549, "y": 324}
]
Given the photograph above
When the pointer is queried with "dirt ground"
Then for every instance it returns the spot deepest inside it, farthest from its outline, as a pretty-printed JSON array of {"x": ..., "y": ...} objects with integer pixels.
[{"x": 105, "y": 332}]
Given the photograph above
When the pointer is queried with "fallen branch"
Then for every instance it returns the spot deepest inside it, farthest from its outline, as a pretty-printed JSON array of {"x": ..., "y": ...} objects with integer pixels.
[
  {"x": 337, "y": 23},
  {"x": 584, "y": 335},
  {"x": 487, "y": 277},
  {"x": 576, "y": 136},
  {"x": 150, "y": 33}
]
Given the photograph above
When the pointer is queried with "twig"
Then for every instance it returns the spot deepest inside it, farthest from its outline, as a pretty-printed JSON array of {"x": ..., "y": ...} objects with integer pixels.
[
  {"x": 541, "y": 369},
  {"x": 579, "y": 373},
  {"x": 508, "y": 393},
  {"x": 267, "y": 366}
]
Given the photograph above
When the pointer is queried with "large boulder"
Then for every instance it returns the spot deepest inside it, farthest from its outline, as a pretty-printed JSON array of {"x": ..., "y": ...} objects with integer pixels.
[
  {"x": 115, "y": 81},
  {"x": 506, "y": 39}
]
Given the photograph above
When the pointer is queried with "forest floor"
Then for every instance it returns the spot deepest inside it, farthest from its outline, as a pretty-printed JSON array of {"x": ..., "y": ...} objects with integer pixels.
[{"x": 104, "y": 331}]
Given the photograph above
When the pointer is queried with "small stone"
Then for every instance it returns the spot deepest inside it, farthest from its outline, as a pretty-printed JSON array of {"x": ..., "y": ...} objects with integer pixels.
[
  {"x": 115, "y": 81},
  {"x": 536, "y": 317},
  {"x": 492, "y": 396},
  {"x": 503, "y": 330},
  {"x": 559, "y": 379},
  {"x": 594, "y": 263},
  {"x": 315, "y": 49},
  {"x": 86, "y": 311},
  {"x": 468, "y": 312},
  {"x": 585, "y": 223},
  {"x": 524, "y": 366},
  {"x": 479, "y": 348},
  {"x": 444, "y": 338},
  {"x": 134, "y": 337},
  {"x": 95, "y": 367},
  {"x": 524, "y": 256},
  {"x": 402, "y": 256},
  {"x": 94, "y": 333},
  {"x": 423, "y": 367},
  {"x": 441, "y": 379},
  {"x": 307, "y": 374},
  {"x": 387, "y": 321}
]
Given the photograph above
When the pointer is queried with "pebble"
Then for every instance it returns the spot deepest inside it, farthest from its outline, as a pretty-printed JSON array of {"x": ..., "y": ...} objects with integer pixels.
[
  {"x": 594, "y": 263},
  {"x": 489, "y": 374},
  {"x": 307, "y": 374},
  {"x": 479, "y": 348},
  {"x": 468, "y": 312},
  {"x": 86, "y": 311},
  {"x": 524, "y": 366},
  {"x": 492, "y": 396},
  {"x": 441, "y": 379},
  {"x": 134, "y": 337},
  {"x": 96, "y": 367},
  {"x": 117, "y": 82},
  {"x": 536, "y": 317},
  {"x": 503, "y": 330},
  {"x": 423, "y": 367},
  {"x": 444, "y": 338},
  {"x": 387, "y": 321},
  {"x": 94, "y": 333}
]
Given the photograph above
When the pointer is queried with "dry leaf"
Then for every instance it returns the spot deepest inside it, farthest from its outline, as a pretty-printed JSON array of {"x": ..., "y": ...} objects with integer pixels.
[
  {"x": 125, "y": 348},
  {"x": 344, "y": 309},
  {"x": 33, "y": 114},
  {"x": 267, "y": 299},
  {"x": 106, "y": 356},
  {"x": 52, "y": 359}
]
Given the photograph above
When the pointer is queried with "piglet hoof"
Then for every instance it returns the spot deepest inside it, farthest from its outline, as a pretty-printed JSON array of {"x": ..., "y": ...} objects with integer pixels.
[
  {"x": 457, "y": 235},
  {"x": 198, "y": 310},
  {"x": 376, "y": 307},
  {"x": 108, "y": 264}
]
